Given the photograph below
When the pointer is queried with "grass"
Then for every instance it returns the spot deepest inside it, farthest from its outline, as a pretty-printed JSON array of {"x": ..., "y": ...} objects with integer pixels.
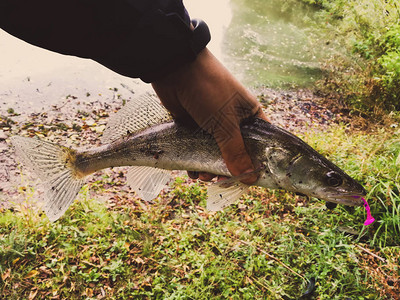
[
  {"x": 365, "y": 73},
  {"x": 268, "y": 246},
  {"x": 373, "y": 159}
]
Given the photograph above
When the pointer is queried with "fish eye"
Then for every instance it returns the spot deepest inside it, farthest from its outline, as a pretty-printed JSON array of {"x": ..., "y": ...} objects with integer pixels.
[{"x": 333, "y": 179}]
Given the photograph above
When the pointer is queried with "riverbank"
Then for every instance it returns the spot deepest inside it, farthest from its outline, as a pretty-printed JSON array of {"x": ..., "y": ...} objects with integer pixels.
[
  {"x": 112, "y": 245},
  {"x": 119, "y": 247},
  {"x": 365, "y": 72}
]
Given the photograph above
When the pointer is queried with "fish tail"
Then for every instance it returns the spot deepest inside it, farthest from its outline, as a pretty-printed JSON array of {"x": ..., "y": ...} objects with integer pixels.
[{"x": 56, "y": 166}]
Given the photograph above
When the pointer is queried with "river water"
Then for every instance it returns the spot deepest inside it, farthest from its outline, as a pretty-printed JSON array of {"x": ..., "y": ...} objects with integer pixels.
[
  {"x": 274, "y": 43},
  {"x": 262, "y": 42},
  {"x": 271, "y": 43}
]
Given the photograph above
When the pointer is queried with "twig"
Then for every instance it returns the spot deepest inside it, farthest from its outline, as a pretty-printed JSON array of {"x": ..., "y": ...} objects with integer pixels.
[
  {"x": 261, "y": 284},
  {"x": 370, "y": 253},
  {"x": 251, "y": 277},
  {"x": 274, "y": 258}
]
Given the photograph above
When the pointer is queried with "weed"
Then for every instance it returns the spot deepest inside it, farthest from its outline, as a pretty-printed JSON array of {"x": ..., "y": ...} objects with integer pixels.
[
  {"x": 5, "y": 122},
  {"x": 367, "y": 75}
]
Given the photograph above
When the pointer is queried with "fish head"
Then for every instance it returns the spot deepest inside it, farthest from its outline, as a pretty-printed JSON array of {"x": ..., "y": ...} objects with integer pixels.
[
  {"x": 315, "y": 176},
  {"x": 295, "y": 166}
]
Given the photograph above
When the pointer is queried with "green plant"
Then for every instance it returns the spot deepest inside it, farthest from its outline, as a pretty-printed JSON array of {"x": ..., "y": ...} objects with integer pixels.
[
  {"x": 367, "y": 75},
  {"x": 268, "y": 245}
]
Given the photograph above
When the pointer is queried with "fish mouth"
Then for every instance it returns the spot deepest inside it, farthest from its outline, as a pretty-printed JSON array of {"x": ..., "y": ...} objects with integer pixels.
[{"x": 349, "y": 199}]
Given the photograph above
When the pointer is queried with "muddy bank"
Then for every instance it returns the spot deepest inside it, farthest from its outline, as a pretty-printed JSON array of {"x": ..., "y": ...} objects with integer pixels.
[{"x": 78, "y": 121}]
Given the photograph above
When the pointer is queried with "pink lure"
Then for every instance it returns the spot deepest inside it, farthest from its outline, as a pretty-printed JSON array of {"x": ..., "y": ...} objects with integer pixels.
[{"x": 370, "y": 219}]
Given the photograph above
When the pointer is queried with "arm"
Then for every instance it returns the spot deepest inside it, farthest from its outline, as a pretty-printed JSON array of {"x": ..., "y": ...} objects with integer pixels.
[
  {"x": 135, "y": 38},
  {"x": 152, "y": 40}
]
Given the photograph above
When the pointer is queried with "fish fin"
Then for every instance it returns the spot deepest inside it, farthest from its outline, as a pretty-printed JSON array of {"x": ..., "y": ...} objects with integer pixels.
[
  {"x": 62, "y": 191},
  {"x": 147, "y": 182},
  {"x": 138, "y": 114},
  {"x": 54, "y": 165},
  {"x": 224, "y": 193}
]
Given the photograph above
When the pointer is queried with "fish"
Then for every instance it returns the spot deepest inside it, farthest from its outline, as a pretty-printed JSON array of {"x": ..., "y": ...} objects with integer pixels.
[{"x": 143, "y": 136}]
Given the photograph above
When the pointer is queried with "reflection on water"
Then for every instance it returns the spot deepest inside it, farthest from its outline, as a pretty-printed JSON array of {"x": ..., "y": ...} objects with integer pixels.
[{"x": 268, "y": 42}]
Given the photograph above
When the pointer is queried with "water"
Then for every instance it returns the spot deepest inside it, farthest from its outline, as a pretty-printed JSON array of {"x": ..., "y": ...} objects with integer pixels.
[
  {"x": 33, "y": 79},
  {"x": 274, "y": 43}
]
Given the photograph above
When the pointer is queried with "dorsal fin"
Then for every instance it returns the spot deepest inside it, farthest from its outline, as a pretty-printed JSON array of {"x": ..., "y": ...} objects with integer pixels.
[{"x": 138, "y": 114}]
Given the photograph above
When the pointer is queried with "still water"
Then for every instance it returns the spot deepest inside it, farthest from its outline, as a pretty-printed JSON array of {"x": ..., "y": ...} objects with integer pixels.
[{"x": 275, "y": 43}]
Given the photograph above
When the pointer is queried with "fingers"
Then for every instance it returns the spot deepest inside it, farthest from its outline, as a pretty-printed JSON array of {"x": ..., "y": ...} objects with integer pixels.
[
  {"x": 205, "y": 92},
  {"x": 234, "y": 154},
  {"x": 206, "y": 176},
  {"x": 201, "y": 175},
  {"x": 236, "y": 158},
  {"x": 222, "y": 178},
  {"x": 193, "y": 174}
]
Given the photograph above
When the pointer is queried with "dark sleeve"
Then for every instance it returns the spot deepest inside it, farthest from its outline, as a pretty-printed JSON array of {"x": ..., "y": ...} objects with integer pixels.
[{"x": 136, "y": 38}]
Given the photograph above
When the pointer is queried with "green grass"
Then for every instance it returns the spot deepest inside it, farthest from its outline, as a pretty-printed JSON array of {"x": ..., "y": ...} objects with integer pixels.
[
  {"x": 373, "y": 159},
  {"x": 267, "y": 246},
  {"x": 366, "y": 72}
]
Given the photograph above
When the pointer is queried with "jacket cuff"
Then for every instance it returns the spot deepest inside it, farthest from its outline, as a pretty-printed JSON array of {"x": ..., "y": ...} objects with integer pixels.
[
  {"x": 159, "y": 45},
  {"x": 196, "y": 41}
]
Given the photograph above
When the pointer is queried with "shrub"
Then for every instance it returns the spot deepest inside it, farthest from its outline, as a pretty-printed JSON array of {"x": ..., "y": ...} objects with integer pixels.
[{"x": 367, "y": 76}]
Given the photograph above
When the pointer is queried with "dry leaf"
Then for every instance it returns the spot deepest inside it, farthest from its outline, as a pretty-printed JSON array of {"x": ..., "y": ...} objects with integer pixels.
[
  {"x": 5, "y": 275},
  {"x": 32, "y": 274},
  {"x": 127, "y": 245},
  {"x": 32, "y": 294},
  {"x": 89, "y": 292}
]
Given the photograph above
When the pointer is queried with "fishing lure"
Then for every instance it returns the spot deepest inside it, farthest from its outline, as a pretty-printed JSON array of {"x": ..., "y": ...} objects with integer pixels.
[{"x": 370, "y": 219}]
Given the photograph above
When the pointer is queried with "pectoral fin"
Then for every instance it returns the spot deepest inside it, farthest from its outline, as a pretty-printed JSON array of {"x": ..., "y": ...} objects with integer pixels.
[
  {"x": 224, "y": 193},
  {"x": 147, "y": 182}
]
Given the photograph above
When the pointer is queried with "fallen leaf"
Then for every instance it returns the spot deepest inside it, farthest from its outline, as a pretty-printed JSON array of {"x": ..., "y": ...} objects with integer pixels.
[
  {"x": 89, "y": 292},
  {"x": 32, "y": 294},
  {"x": 5, "y": 275},
  {"x": 127, "y": 245},
  {"x": 139, "y": 260},
  {"x": 31, "y": 274}
]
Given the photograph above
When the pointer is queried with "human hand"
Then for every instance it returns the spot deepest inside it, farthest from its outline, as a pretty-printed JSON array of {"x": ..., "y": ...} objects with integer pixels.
[{"x": 205, "y": 92}]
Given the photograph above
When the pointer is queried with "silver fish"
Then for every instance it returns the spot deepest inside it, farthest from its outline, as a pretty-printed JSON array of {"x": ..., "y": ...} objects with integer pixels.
[{"x": 144, "y": 136}]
